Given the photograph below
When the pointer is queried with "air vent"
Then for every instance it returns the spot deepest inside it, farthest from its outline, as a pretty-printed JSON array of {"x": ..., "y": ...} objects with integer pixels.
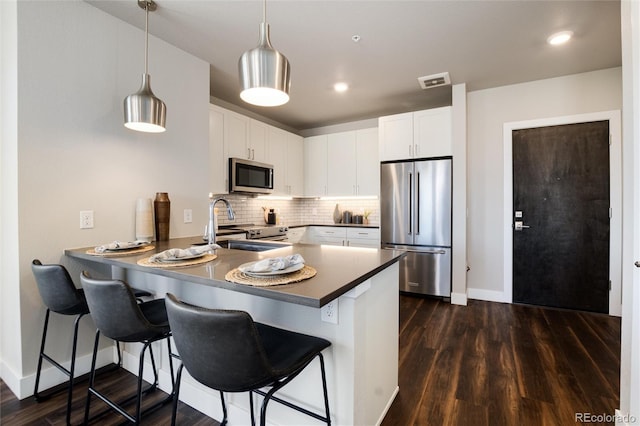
[{"x": 435, "y": 80}]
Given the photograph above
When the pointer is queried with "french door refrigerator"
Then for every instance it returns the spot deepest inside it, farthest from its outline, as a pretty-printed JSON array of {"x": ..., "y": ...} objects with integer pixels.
[{"x": 415, "y": 216}]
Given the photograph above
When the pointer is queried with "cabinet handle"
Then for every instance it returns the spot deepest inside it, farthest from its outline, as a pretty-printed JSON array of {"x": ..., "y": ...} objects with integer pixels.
[
  {"x": 248, "y": 153},
  {"x": 416, "y": 150},
  {"x": 253, "y": 154},
  {"x": 410, "y": 150}
]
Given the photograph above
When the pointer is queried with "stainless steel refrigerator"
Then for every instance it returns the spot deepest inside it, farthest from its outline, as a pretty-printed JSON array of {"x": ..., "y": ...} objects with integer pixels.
[{"x": 415, "y": 215}]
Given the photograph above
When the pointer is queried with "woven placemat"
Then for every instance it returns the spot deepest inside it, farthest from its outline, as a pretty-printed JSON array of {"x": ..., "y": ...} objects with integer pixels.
[
  {"x": 177, "y": 264},
  {"x": 239, "y": 277},
  {"x": 121, "y": 253}
]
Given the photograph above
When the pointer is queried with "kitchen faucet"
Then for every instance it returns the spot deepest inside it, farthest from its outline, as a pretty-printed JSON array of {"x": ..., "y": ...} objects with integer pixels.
[{"x": 211, "y": 232}]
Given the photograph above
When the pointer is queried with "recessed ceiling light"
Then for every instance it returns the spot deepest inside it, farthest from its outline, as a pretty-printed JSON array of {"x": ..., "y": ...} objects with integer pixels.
[
  {"x": 340, "y": 87},
  {"x": 559, "y": 38}
]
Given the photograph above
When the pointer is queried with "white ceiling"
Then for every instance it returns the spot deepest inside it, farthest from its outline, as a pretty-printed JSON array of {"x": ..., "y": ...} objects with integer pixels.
[{"x": 481, "y": 43}]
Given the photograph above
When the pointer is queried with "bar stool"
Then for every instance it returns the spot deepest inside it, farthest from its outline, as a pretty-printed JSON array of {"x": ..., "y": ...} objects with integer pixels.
[
  {"x": 227, "y": 351},
  {"x": 59, "y": 295},
  {"x": 117, "y": 315}
]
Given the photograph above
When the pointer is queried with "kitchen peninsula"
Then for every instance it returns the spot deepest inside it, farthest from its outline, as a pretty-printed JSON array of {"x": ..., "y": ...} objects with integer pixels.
[{"x": 358, "y": 288}]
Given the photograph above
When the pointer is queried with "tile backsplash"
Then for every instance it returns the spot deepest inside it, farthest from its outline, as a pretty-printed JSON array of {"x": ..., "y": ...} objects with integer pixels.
[{"x": 299, "y": 211}]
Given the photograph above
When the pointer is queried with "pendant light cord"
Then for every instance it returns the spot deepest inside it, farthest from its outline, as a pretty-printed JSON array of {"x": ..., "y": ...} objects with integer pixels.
[
  {"x": 264, "y": 11},
  {"x": 146, "y": 39}
]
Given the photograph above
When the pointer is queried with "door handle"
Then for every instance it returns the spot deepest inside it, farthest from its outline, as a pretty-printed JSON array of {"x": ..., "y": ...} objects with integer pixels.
[
  {"x": 418, "y": 203},
  {"x": 410, "y": 203},
  {"x": 519, "y": 225}
]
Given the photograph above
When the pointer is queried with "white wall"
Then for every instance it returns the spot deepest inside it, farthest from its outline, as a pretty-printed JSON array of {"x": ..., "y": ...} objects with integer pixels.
[
  {"x": 630, "y": 339},
  {"x": 76, "y": 64},
  {"x": 488, "y": 110}
]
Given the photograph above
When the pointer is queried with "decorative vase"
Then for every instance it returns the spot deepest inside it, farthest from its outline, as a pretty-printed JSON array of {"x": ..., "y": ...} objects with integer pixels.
[
  {"x": 162, "y": 210},
  {"x": 144, "y": 219},
  {"x": 337, "y": 216}
]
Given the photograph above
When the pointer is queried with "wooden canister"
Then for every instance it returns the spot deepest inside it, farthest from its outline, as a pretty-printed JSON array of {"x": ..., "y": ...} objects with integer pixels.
[{"x": 162, "y": 211}]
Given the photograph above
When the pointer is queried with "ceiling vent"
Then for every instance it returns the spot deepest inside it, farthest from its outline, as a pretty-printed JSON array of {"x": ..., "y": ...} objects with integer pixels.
[{"x": 435, "y": 80}]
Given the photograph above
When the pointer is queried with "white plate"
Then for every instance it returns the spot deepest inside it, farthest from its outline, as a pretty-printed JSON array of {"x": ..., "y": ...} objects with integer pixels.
[
  {"x": 243, "y": 268},
  {"x": 129, "y": 247},
  {"x": 180, "y": 259}
]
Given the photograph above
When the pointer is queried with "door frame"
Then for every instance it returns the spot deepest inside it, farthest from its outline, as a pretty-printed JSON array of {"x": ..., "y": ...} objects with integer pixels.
[{"x": 615, "y": 185}]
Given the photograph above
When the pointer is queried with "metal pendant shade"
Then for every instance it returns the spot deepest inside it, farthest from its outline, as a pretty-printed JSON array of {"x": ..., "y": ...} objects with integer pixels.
[
  {"x": 265, "y": 75},
  {"x": 143, "y": 111}
]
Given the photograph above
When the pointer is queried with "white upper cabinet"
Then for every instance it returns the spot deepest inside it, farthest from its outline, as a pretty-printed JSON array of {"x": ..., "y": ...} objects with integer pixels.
[
  {"x": 315, "y": 166},
  {"x": 244, "y": 137},
  {"x": 218, "y": 171},
  {"x": 295, "y": 164},
  {"x": 341, "y": 163},
  {"x": 285, "y": 153},
  {"x": 396, "y": 136},
  {"x": 432, "y": 132},
  {"x": 419, "y": 134},
  {"x": 257, "y": 143},
  {"x": 236, "y": 134}
]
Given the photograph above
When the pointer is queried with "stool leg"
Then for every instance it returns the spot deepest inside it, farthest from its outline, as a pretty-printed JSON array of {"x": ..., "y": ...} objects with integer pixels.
[
  {"x": 92, "y": 377},
  {"x": 253, "y": 420},
  {"x": 73, "y": 366},
  {"x": 147, "y": 344},
  {"x": 176, "y": 394},
  {"x": 44, "y": 338},
  {"x": 224, "y": 410},
  {"x": 324, "y": 388}
]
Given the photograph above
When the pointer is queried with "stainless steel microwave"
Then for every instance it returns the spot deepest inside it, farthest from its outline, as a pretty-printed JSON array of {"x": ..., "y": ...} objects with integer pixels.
[{"x": 250, "y": 176}]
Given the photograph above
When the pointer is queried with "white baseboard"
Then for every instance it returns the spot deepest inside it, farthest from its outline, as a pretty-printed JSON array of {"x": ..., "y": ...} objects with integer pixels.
[
  {"x": 459, "y": 299},
  {"x": 487, "y": 295},
  {"x": 22, "y": 387},
  {"x": 388, "y": 406}
]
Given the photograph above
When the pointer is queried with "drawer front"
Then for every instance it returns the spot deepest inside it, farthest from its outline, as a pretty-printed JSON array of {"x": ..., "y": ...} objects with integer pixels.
[
  {"x": 330, "y": 231},
  {"x": 363, "y": 233}
]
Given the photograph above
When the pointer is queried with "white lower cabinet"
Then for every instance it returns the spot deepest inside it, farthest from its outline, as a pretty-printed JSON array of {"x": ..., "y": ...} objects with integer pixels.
[{"x": 343, "y": 236}]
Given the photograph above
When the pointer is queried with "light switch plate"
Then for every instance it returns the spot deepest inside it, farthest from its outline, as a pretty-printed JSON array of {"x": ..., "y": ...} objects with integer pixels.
[{"x": 188, "y": 215}]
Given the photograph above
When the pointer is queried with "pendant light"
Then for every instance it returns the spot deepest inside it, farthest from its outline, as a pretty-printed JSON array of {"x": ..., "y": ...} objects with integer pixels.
[
  {"x": 143, "y": 111},
  {"x": 264, "y": 72}
]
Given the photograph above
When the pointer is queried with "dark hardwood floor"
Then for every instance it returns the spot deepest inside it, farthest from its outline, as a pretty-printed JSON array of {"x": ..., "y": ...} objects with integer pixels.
[
  {"x": 484, "y": 364},
  {"x": 501, "y": 364}
]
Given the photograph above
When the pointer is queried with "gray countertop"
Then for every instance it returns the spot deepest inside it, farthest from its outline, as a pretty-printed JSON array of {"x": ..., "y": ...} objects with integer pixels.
[{"x": 339, "y": 269}]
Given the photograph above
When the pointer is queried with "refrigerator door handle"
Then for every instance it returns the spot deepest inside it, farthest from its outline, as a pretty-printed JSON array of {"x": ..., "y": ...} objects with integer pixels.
[
  {"x": 418, "y": 203},
  {"x": 410, "y": 202},
  {"x": 416, "y": 251}
]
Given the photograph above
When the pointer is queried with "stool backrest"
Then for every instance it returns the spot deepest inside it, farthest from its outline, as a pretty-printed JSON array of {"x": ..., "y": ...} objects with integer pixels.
[
  {"x": 55, "y": 286},
  {"x": 114, "y": 309},
  {"x": 219, "y": 348}
]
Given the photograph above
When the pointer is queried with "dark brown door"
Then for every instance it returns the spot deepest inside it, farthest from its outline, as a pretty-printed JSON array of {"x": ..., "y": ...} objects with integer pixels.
[{"x": 561, "y": 216}]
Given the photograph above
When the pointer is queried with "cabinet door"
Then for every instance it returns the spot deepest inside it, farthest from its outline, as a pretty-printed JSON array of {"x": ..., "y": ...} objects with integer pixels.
[
  {"x": 257, "y": 145},
  {"x": 277, "y": 156},
  {"x": 368, "y": 164},
  {"x": 295, "y": 164},
  {"x": 396, "y": 136},
  {"x": 432, "y": 132},
  {"x": 218, "y": 167},
  {"x": 236, "y": 134},
  {"x": 341, "y": 161},
  {"x": 315, "y": 166}
]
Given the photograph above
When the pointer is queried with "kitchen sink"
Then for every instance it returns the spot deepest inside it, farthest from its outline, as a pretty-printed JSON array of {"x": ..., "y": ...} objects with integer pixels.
[{"x": 252, "y": 245}]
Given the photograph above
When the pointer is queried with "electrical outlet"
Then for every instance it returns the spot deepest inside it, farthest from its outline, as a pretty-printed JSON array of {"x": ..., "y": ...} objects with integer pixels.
[
  {"x": 86, "y": 219},
  {"x": 329, "y": 312},
  {"x": 188, "y": 215}
]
